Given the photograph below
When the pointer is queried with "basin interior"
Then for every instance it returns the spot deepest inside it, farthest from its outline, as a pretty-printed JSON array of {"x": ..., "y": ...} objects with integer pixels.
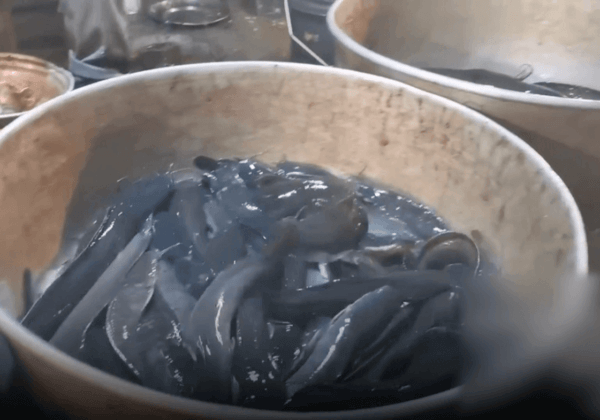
[{"x": 62, "y": 158}]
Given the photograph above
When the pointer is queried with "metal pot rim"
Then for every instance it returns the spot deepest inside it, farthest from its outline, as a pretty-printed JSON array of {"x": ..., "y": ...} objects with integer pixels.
[
  {"x": 44, "y": 351},
  {"x": 445, "y": 81},
  {"x": 57, "y": 71}
]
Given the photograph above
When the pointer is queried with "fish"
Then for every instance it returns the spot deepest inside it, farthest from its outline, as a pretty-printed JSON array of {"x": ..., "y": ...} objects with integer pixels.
[
  {"x": 173, "y": 292},
  {"x": 217, "y": 219},
  {"x": 68, "y": 336},
  {"x": 189, "y": 176},
  {"x": 437, "y": 358},
  {"x": 188, "y": 205},
  {"x": 293, "y": 170},
  {"x": 435, "y": 367},
  {"x": 273, "y": 282},
  {"x": 351, "y": 327},
  {"x": 204, "y": 163},
  {"x": 395, "y": 218},
  {"x": 249, "y": 170},
  {"x": 82, "y": 236},
  {"x": 398, "y": 254},
  {"x": 120, "y": 224},
  {"x": 239, "y": 203},
  {"x": 225, "y": 249},
  {"x": 72, "y": 246},
  {"x": 224, "y": 175},
  {"x": 95, "y": 350},
  {"x": 285, "y": 341},
  {"x": 314, "y": 330},
  {"x": 252, "y": 361},
  {"x": 449, "y": 248},
  {"x": 266, "y": 387},
  {"x": 255, "y": 241},
  {"x": 170, "y": 234},
  {"x": 371, "y": 261},
  {"x": 294, "y": 273},
  {"x": 46, "y": 314},
  {"x": 366, "y": 357},
  {"x": 126, "y": 309},
  {"x": 75, "y": 240},
  {"x": 333, "y": 229},
  {"x": 194, "y": 276},
  {"x": 208, "y": 329},
  {"x": 328, "y": 299},
  {"x": 383, "y": 223},
  {"x": 571, "y": 91},
  {"x": 341, "y": 269},
  {"x": 277, "y": 196},
  {"x": 355, "y": 396},
  {"x": 156, "y": 349},
  {"x": 285, "y": 195},
  {"x": 440, "y": 311},
  {"x": 498, "y": 80},
  {"x": 76, "y": 237}
]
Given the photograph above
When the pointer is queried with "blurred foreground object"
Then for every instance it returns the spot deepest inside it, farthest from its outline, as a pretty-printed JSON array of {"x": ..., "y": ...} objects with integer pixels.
[{"x": 528, "y": 354}]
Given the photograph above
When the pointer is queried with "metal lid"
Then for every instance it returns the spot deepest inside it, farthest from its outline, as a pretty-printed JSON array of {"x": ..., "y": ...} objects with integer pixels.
[
  {"x": 189, "y": 12},
  {"x": 312, "y": 7}
]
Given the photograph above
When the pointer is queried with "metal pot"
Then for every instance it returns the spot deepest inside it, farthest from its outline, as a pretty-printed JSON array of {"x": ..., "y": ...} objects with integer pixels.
[
  {"x": 56, "y": 162},
  {"x": 26, "y": 82},
  {"x": 397, "y": 38}
]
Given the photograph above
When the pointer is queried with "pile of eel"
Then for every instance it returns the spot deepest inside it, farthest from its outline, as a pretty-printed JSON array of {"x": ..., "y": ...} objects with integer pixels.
[{"x": 279, "y": 287}]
